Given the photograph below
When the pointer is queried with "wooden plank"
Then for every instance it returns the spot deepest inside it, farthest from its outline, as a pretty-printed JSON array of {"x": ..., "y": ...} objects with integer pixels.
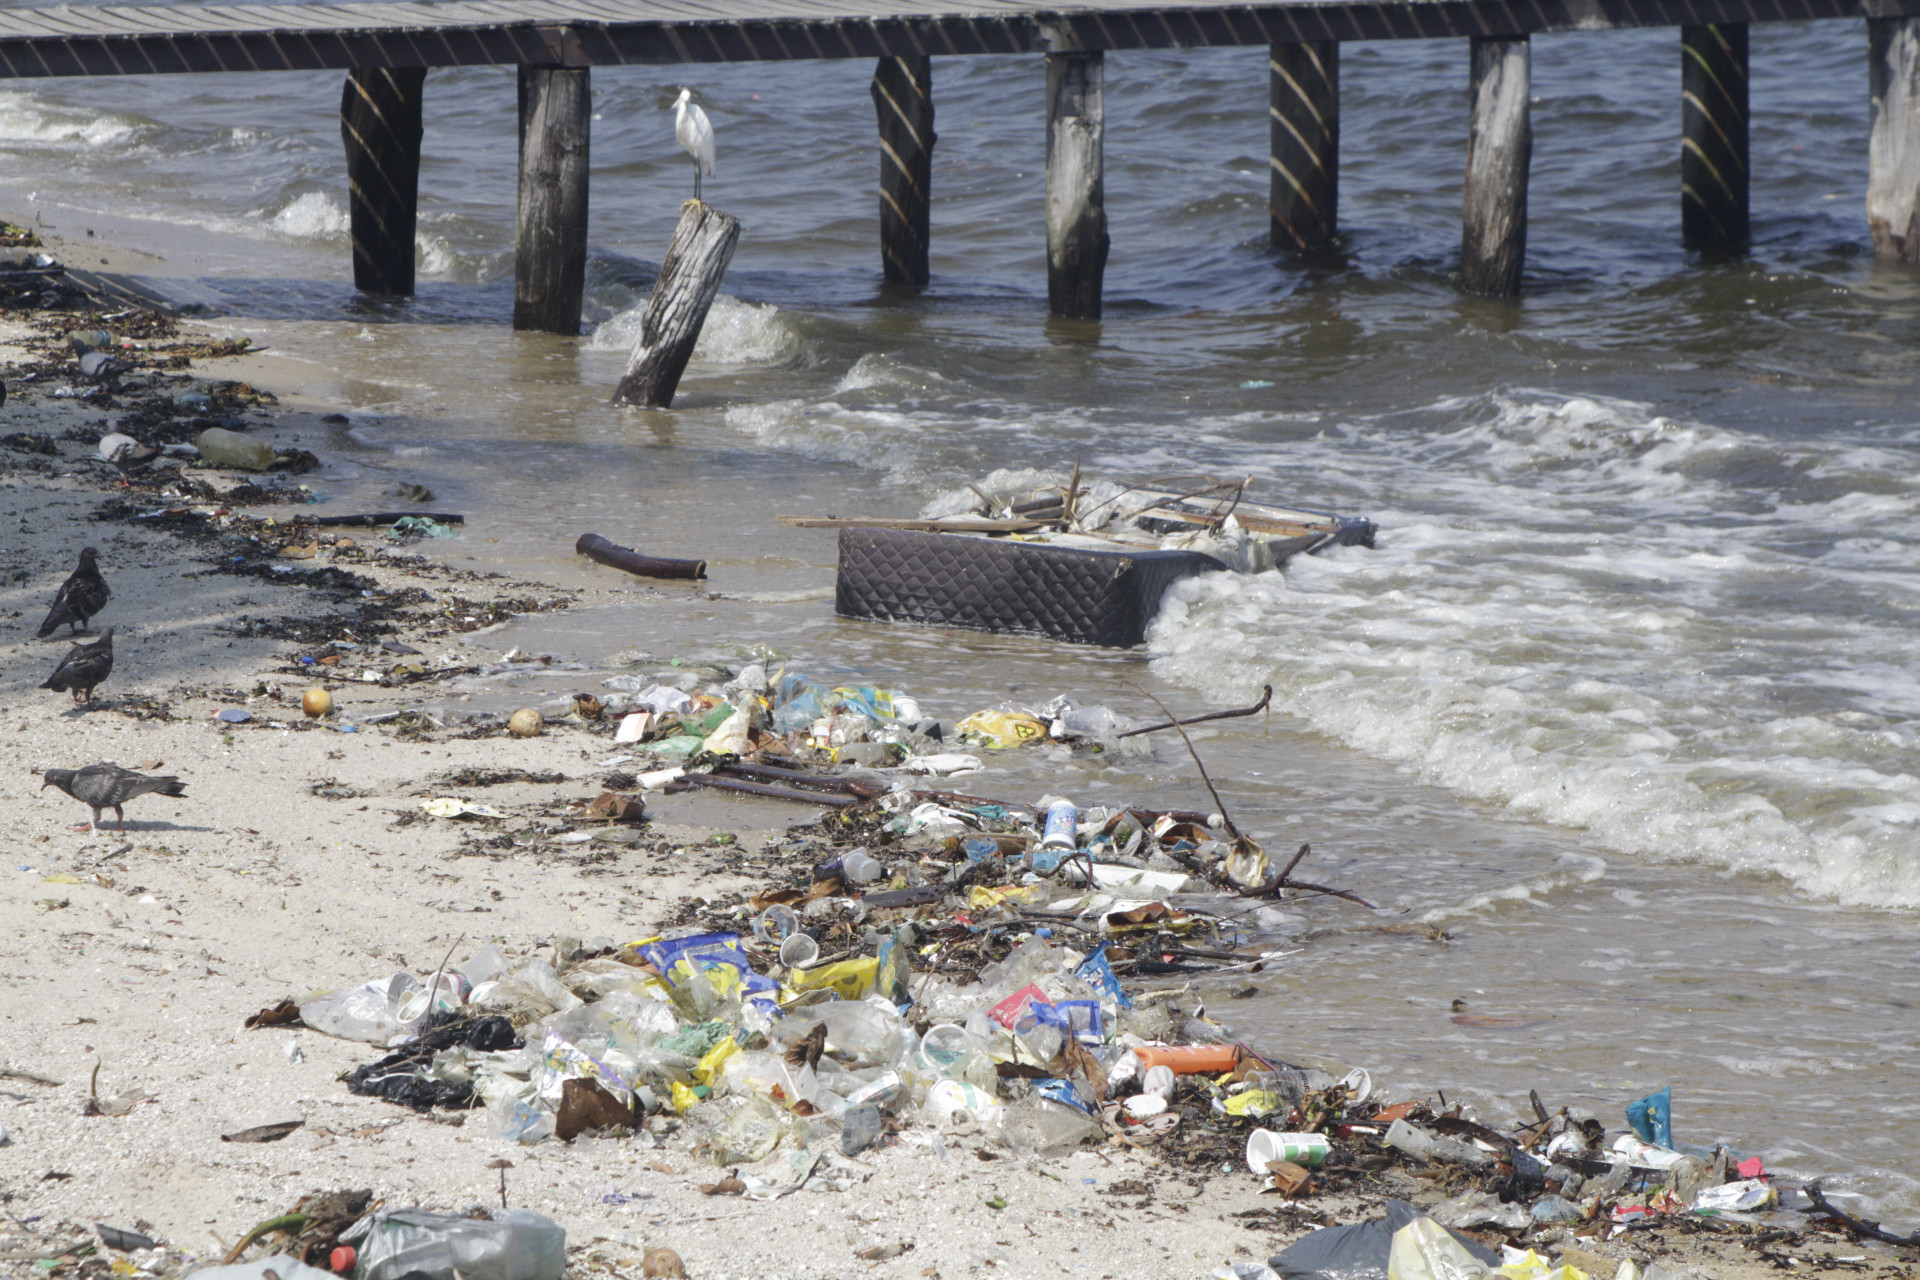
[
  {"x": 1893, "y": 145},
  {"x": 921, "y": 526},
  {"x": 1713, "y": 136},
  {"x": 550, "y": 247},
  {"x": 1077, "y": 241},
  {"x": 1493, "y": 232}
]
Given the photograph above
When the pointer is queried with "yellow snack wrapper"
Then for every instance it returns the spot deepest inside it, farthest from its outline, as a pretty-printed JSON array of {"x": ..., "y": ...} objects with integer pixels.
[
  {"x": 709, "y": 1067},
  {"x": 683, "y": 1098},
  {"x": 998, "y": 730},
  {"x": 848, "y": 979}
]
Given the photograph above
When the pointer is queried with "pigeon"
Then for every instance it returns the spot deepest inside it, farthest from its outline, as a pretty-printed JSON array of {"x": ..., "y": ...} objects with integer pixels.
[
  {"x": 128, "y": 454},
  {"x": 82, "y": 595},
  {"x": 108, "y": 786},
  {"x": 84, "y": 667}
]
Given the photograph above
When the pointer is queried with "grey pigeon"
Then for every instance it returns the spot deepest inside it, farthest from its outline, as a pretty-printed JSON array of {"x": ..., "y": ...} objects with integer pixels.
[
  {"x": 84, "y": 667},
  {"x": 82, "y": 595},
  {"x": 128, "y": 454},
  {"x": 108, "y": 786}
]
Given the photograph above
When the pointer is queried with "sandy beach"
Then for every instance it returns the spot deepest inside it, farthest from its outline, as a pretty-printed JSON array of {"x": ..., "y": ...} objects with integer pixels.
[{"x": 299, "y": 860}]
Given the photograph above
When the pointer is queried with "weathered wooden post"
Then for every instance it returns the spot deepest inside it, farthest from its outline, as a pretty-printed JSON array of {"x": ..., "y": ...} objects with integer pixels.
[
  {"x": 550, "y": 239},
  {"x": 903, "y": 99},
  {"x": 380, "y": 124},
  {"x": 1713, "y": 136},
  {"x": 1893, "y": 148},
  {"x": 689, "y": 278},
  {"x": 1304, "y": 105},
  {"x": 1076, "y": 192},
  {"x": 1493, "y": 240}
]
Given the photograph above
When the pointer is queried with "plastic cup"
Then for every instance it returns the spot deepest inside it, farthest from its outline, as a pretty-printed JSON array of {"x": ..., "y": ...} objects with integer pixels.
[
  {"x": 1265, "y": 1146},
  {"x": 1159, "y": 1082},
  {"x": 861, "y": 867},
  {"x": 798, "y": 950}
]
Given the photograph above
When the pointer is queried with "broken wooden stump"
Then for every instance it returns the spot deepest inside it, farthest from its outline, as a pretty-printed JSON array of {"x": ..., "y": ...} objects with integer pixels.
[{"x": 689, "y": 280}]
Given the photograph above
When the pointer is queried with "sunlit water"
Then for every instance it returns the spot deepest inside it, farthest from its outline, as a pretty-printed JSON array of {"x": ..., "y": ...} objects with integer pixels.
[{"x": 1624, "y": 699}]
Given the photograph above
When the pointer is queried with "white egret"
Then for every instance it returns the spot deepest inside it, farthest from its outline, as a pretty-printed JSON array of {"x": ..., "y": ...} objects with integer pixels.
[{"x": 695, "y": 134}]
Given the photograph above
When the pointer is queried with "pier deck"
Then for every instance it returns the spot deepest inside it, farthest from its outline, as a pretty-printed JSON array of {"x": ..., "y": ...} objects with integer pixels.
[{"x": 387, "y": 50}]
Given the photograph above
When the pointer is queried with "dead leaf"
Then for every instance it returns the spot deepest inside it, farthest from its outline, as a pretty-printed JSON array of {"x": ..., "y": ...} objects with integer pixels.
[
  {"x": 823, "y": 889},
  {"x": 615, "y": 807},
  {"x": 284, "y": 1014},
  {"x": 300, "y": 551},
  {"x": 661, "y": 1166},
  {"x": 264, "y": 1132},
  {"x": 1286, "y": 1177},
  {"x": 805, "y": 1052},
  {"x": 584, "y": 1106},
  {"x": 776, "y": 898},
  {"x": 1086, "y": 1065},
  {"x": 882, "y": 1252},
  {"x": 1490, "y": 1020},
  {"x": 663, "y": 1263},
  {"x": 727, "y": 1186}
]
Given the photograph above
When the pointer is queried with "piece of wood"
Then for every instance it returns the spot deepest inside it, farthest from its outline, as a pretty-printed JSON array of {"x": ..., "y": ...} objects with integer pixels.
[
  {"x": 923, "y": 526},
  {"x": 1493, "y": 237},
  {"x": 381, "y": 127},
  {"x": 1893, "y": 147},
  {"x": 1303, "y": 105},
  {"x": 689, "y": 279},
  {"x": 612, "y": 554},
  {"x": 374, "y": 518},
  {"x": 741, "y": 787},
  {"x": 903, "y": 99},
  {"x": 1713, "y": 136},
  {"x": 1076, "y": 191},
  {"x": 550, "y": 241}
]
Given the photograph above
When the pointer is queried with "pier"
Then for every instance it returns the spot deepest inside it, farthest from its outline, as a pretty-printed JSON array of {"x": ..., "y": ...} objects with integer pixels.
[{"x": 386, "y": 51}]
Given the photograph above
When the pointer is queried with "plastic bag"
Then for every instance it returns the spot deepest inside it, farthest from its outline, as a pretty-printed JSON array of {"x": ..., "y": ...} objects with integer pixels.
[
  {"x": 279, "y": 1264},
  {"x": 369, "y": 1012},
  {"x": 1357, "y": 1252},
  {"x": 515, "y": 1244},
  {"x": 1423, "y": 1250}
]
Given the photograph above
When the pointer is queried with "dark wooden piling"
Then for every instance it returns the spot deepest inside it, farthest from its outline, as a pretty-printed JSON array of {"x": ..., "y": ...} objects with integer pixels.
[
  {"x": 689, "y": 279},
  {"x": 1893, "y": 147},
  {"x": 380, "y": 124},
  {"x": 550, "y": 239},
  {"x": 1076, "y": 191},
  {"x": 1713, "y": 136},
  {"x": 903, "y": 100},
  {"x": 1493, "y": 240},
  {"x": 1304, "y": 108}
]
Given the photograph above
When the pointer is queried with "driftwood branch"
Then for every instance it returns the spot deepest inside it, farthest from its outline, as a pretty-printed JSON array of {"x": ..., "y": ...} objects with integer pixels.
[
  {"x": 1219, "y": 804},
  {"x": 1266, "y": 696},
  {"x": 1858, "y": 1226},
  {"x": 1285, "y": 880}
]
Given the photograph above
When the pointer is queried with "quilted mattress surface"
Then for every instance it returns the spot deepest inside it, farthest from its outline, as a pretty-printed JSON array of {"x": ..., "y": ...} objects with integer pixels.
[{"x": 996, "y": 584}]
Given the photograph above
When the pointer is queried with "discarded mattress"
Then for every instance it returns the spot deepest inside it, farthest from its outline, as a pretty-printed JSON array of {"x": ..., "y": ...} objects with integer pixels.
[{"x": 1061, "y": 583}]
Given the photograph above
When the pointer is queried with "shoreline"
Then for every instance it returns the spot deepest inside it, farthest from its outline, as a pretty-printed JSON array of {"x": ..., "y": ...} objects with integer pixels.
[{"x": 179, "y": 901}]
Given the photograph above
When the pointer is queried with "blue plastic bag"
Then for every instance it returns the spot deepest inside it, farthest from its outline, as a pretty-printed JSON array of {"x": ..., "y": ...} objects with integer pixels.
[
  {"x": 1652, "y": 1118},
  {"x": 1098, "y": 973}
]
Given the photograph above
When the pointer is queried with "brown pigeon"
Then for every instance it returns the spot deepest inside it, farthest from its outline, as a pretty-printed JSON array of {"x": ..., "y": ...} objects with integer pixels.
[
  {"x": 108, "y": 786},
  {"x": 82, "y": 595},
  {"x": 84, "y": 667}
]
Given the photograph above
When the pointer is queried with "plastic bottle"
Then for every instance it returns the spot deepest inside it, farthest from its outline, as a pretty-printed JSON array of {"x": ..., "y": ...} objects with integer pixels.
[
  {"x": 507, "y": 1244},
  {"x": 1188, "y": 1059},
  {"x": 1061, "y": 820},
  {"x": 225, "y": 448},
  {"x": 1422, "y": 1145},
  {"x": 861, "y": 867}
]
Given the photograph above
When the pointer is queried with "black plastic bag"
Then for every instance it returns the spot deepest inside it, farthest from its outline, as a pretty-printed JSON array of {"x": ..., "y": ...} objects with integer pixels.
[{"x": 1359, "y": 1251}]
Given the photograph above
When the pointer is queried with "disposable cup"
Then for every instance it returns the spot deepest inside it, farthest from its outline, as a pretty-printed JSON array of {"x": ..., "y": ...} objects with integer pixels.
[
  {"x": 1265, "y": 1146},
  {"x": 798, "y": 950}
]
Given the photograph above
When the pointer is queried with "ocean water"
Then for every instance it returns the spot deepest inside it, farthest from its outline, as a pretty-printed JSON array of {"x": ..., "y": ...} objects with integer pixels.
[{"x": 1624, "y": 701}]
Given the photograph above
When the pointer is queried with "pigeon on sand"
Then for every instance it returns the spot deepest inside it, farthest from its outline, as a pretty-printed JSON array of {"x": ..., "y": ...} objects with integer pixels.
[
  {"x": 108, "y": 786},
  {"x": 82, "y": 595},
  {"x": 84, "y": 668}
]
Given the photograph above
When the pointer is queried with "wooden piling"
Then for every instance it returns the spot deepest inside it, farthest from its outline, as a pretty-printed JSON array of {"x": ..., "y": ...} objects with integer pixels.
[
  {"x": 903, "y": 100},
  {"x": 1304, "y": 108},
  {"x": 380, "y": 125},
  {"x": 689, "y": 278},
  {"x": 1713, "y": 136},
  {"x": 1493, "y": 240},
  {"x": 1893, "y": 147},
  {"x": 1076, "y": 192},
  {"x": 550, "y": 239}
]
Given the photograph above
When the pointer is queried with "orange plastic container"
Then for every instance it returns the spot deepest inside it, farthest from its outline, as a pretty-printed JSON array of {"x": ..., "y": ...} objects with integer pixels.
[{"x": 1188, "y": 1059}]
